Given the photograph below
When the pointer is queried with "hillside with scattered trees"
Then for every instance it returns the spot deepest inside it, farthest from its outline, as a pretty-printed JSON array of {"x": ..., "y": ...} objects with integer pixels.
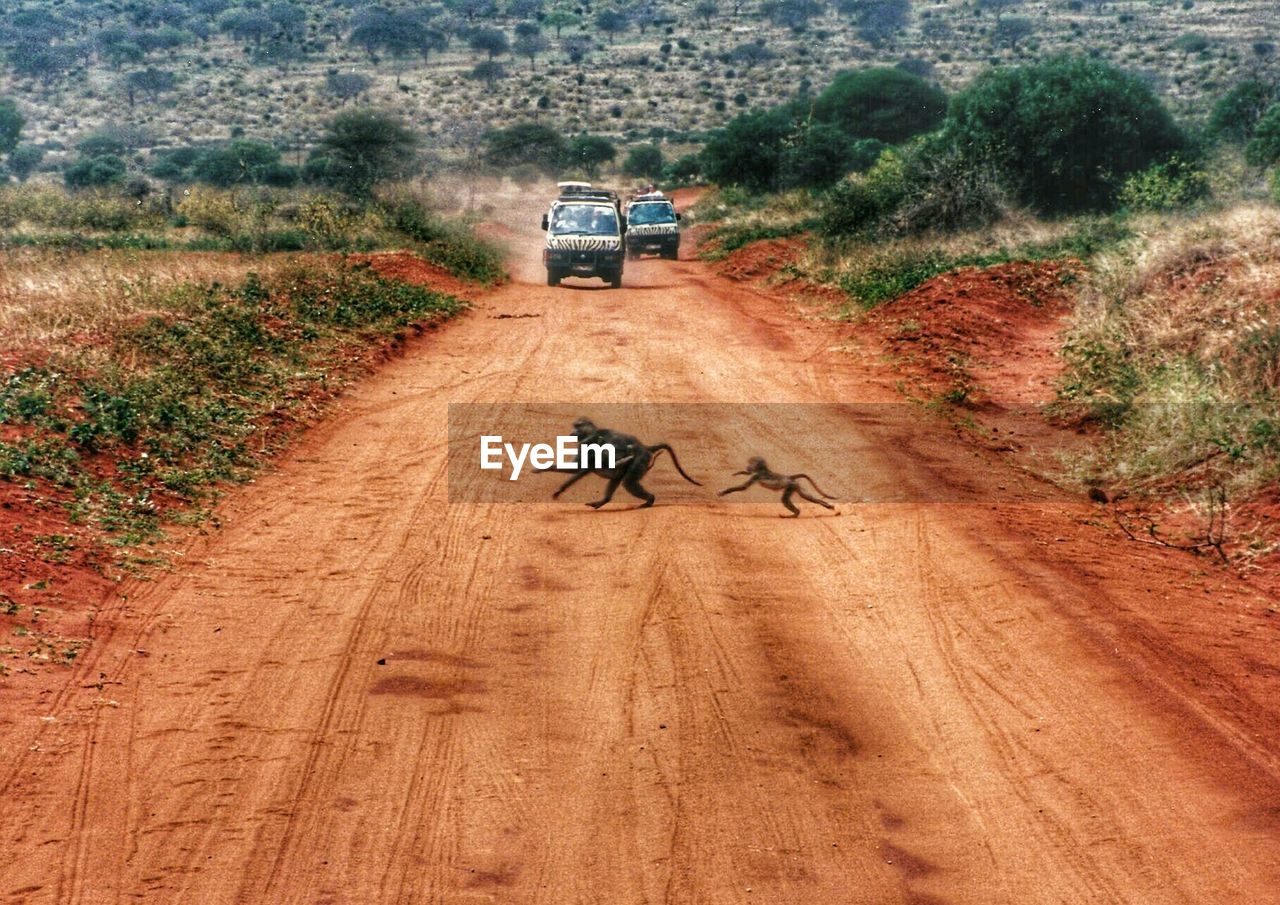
[{"x": 156, "y": 85}]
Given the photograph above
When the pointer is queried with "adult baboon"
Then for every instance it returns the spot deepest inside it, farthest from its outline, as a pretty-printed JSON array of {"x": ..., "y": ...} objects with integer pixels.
[
  {"x": 632, "y": 461},
  {"x": 761, "y": 474}
]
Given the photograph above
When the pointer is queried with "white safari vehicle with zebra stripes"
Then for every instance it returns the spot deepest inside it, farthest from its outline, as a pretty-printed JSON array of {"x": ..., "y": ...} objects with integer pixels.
[
  {"x": 585, "y": 230},
  {"x": 652, "y": 226}
]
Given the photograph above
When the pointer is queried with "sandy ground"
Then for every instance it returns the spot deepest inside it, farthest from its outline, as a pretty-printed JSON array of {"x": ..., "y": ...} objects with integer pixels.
[{"x": 359, "y": 691}]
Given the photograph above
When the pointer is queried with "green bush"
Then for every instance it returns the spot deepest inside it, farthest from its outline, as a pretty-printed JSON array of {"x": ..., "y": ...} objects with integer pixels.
[
  {"x": 1066, "y": 133},
  {"x": 684, "y": 170},
  {"x": 863, "y": 203},
  {"x": 95, "y": 172},
  {"x": 887, "y": 104},
  {"x": 1235, "y": 115},
  {"x": 816, "y": 157},
  {"x": 643, "y": 161},
  {"x": 748, "y": 150},
  {"x": 1264, "y": 148},
  {"x": 1174, "y": 184},
  {"x": 525, "y": 144},
  {"x": 241, "y": 162}
]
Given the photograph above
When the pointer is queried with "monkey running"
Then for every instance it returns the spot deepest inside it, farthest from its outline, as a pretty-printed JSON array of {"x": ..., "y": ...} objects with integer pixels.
[
  {"x": 761, "y": 474},
  {"x": 632, "y": 461}
]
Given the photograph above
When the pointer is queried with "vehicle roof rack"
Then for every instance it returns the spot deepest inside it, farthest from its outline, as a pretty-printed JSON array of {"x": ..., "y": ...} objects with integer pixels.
[{"x": 588, "y": 194}]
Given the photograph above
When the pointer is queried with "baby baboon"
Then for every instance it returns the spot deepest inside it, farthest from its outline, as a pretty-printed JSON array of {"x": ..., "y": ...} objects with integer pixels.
[
  {"x": 632, "y": 461},
  {"x": 788, "y": 484}
]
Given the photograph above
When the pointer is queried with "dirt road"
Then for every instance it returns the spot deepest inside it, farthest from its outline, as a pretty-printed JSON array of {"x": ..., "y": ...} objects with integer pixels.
[{"x": 359, "y": 692}]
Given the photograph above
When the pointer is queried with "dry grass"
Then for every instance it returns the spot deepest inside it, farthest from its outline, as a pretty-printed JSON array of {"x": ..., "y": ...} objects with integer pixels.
[
  {"x": 1177, "y": 340},
  {"x": 48, "y": 297},
  {"x": 1196, "y": 291}
]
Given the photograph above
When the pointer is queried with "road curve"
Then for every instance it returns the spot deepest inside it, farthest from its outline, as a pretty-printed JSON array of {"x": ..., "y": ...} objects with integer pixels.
[{"x": 360, "y": 692}]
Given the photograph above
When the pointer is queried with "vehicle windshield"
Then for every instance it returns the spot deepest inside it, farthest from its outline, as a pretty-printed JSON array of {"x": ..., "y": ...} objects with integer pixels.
[
  {"x": 641, "y": 214},
  {"x": 584, "y": 220}
]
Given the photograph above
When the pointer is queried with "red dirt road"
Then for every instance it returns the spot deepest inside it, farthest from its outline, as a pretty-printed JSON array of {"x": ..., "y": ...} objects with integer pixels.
[{"x": 359, "y": 692}]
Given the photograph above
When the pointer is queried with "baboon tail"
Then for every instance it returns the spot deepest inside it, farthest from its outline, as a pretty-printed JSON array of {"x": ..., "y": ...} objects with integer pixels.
[
  {"x": 821, "y": 492},
  {"x": 675, "y": 462}
]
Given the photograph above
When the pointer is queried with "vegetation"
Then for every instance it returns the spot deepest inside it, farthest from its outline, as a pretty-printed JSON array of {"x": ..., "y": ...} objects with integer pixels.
[
  {"x": 1064, "y": 134},
  {"x": 1185, "y": 379},
  {"x": 176, "y": 403},
  {"x": 193, "y": 73}
]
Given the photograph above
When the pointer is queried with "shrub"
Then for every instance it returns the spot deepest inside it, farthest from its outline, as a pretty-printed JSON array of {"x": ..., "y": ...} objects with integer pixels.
[
  {"x": 888, "y": 104},
  {"x": 1264, "y": 148},
  {"x": 1165, "y": 186},
  {"x": 239, "y": 162},
  {"x": 815, "y": 158},
  {"x": 95, "y": 172},
  {"x": 862, "y": 203},
  {"x": 212, "y": 211},
  {"x": 365, "y": 147},
  {"x": 748, "y": 150},
  {"x": 864, "y": 153},
  {"x": 24, "y": 159},
  {"x": 683, "y": 170},
  {"x": 643, "y": 161},
  {"x": 1235, "y": 115},
  {"x": 11, "y": 123},
  {"x": 525, "y": 144},
  {"x": 947, "y": 191},
  {"x": 1064, "y": 133}
]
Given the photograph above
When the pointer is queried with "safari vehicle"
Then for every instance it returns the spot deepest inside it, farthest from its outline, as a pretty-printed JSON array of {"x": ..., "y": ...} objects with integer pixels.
[
  {"x": 585, "y": 230},
  {"x": 652, "y": 226}
]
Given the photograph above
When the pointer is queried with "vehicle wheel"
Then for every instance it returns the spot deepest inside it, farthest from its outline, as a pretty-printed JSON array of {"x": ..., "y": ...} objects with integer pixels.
[
  {"x": 632, "y": 254},
  {"x": 671, "y": 254},
  {"x": 553, "y": 278},
  {"x": 615, "y": 279}
]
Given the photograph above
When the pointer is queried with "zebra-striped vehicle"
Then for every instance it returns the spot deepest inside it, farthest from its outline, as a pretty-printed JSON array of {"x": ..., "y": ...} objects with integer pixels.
[
  {"x": 584, "y": 230},
  {"x": 652, "y": 226}
]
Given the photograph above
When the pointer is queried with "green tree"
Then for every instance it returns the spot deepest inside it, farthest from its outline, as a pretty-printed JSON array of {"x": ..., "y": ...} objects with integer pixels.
[
  {"x": 11, "y": 123},
  {"x": 882, "y": 103},
  {"x": 1264, "y": 148},
  {"x": 612, "y": 22},
  {"x": 490, "y": 41},
  {"x": 748, "y": 151},
  {"x": 488, "y": 71},
  {"x": 879, "y": 21},
  {"x": 1236, "y": 114},
  {"x": 365, "y": 147},
  {"x": 530, "y": 42},
  {"x": 643, "y": 161},
  {"x": 1065, "y": 133},
  {"x": 590, "y": 152},
  {"x": 684, "y": 170},
  {"x": 1011, "y": 32},
  {"x": 815, "y": 157},
  {"x": 150, "y": 81},
  {"x": 241, "y": 161},
  {"x": 24, "y": 159},
  {"x": 95, "y": 172},
  {"x": 525, "y": 144},
  {"x": 560, "y": 19}
]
